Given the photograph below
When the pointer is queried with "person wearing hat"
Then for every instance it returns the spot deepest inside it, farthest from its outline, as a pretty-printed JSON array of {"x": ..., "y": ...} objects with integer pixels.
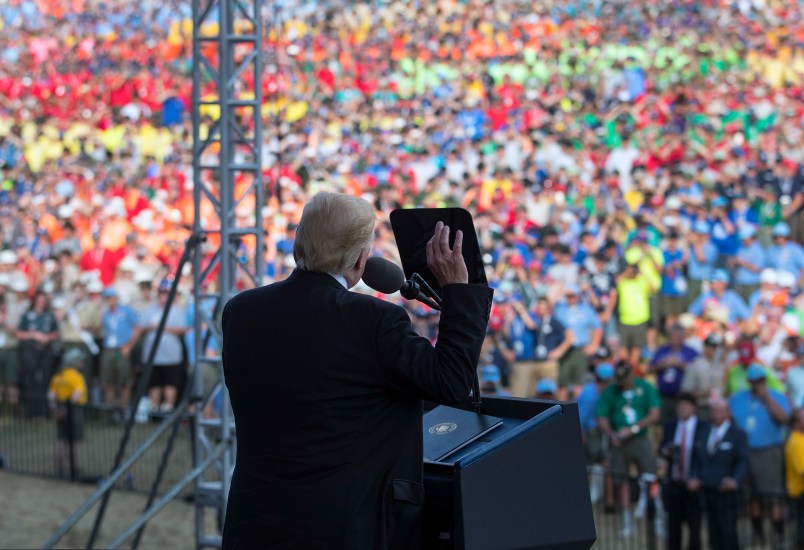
[
  {"x": 594, "y": 446},
  {"x": 37, "y": 331},
  {"x": 785, "y": 254},
  {"x": 633, "y": 311},
  {"x": 169, "y": 361},
  {"x": 669, "y": 364},
  {"x": 583, "y": 323},
  {"x": 491, "y": 381},
  {"x": 67, "y": 394},
  {"x": 9, "y": 354},
  {"x": 674, "y": 287},
  {"x": 625, "y": 412},
  {"x": 701, "y": 257},
  {"x": 763, "y": 413},
  {"x": 737, "y": 378},
  {"x": 118, "y": 327},
  {"x": 650, "y": 263},
  {"x": 720, "y": 295},
  {"x": 82, "y": 320},
  {"x": 748, "y": 263},
  {"x": 719, "y": 468},
  {"x": 678, "y": 441},
  {"x": 546, "y": 389},
  {"x": 768, "y": 286},
  {"x": 704, "y": 377}
]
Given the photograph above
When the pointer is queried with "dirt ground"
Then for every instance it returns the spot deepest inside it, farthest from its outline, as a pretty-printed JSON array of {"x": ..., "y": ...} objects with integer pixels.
[{"x": 35, "y": 507}]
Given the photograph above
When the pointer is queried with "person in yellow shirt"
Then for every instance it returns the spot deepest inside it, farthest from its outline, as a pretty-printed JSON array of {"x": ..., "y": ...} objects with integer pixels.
[
  {"x": 794, "y": 464},
  {"x": 66, "y": 395},
  {"x": 633, "y": 311}
]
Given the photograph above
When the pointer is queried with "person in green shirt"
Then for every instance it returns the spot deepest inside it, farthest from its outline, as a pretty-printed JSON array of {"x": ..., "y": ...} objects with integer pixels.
[
  {"x": 737, "y": 379},
  {"x": 624, "y": 412}
]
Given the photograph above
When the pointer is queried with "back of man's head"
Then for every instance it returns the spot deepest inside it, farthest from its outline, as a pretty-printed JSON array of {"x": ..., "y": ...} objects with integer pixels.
[{"x": 334, "y": 228}]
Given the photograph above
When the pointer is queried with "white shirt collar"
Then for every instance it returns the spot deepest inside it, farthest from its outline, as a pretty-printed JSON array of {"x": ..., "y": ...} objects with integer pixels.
[{"x": 340, "y": 279}]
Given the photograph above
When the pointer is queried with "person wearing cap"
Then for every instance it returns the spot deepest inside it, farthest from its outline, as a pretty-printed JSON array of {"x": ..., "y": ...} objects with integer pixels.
[
  {"x": 144, "y": 299},
  {"x": 82, "y": 320},
  {"x": 118, "y": 326},
  {"x": 550, "y": 340},
  {"x": 633, "y": 311},
  {"x": 722, "y": 231},
  {"x": 9, "y": 353},
  {"x": 67, "y": 394},
  {"x": 788, "y": 186},
  {"x": 679, "y": 437},
  {"x": 768, "y": 287},
  {"x": 720, "y": 295},
  {"x": 669, "y": 364},
  {"x": 624, "y": 412},
  {"x": 702, "y": 256},
  {"x": 763, "y": 413},
  {"x": 650, "y": 263},
  {"x": 594, "y": 445},
  {"x": 748, "y": 263},
  {"x": 583, "y": 323},
  {"x": 491, "y": 381},
  {"x": 674, "y": 286},
  {"x": 704, "y": 376},
  {"x": 600, "y": 288},
  {"x": 785, "y": 254},
  {"x": 546, "y": 389},
  {"x": 794, "y": 467},
  {"x": 718, "y": 470},
  {"x": 169, "y": 361},
  {"x": 737, "y": 378},
  {"x": 37, "y": 331}
]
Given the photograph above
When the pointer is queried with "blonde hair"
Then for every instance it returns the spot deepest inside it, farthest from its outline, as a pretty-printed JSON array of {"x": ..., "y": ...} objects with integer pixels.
[{"x": 334, "y": 228}]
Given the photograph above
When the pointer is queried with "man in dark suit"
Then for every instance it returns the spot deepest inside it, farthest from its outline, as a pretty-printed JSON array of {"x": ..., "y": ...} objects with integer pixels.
[
  {"x": 680, "y": 437},
  {"x": 719, "y": 468},
  {"x": 327, "y": 386}
]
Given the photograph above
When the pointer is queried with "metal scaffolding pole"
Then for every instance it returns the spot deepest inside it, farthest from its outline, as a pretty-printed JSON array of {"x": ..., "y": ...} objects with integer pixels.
[{"x": 227, "y": 153}]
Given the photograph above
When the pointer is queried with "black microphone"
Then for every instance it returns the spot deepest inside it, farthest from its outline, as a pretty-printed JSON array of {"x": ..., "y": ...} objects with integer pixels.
[
  {"x": 383, "y": 276},
  {"x": 386, "y": 277}
]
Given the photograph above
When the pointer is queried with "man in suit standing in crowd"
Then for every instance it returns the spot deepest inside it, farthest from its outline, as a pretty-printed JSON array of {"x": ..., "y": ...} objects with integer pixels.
[
  {"x": 719, "y": 469},
  {"x": 327, "y": 387},
  {"x": 679, "y": 441}
]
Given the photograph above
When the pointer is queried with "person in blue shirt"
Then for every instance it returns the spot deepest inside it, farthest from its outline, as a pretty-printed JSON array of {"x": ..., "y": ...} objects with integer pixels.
[
  {"x": 672, "y": 301},
  {"x": 784, "y": 254},
  {"x": 592, "y": 436},
  {"x": 118, "y": 326},
  {"x": 491, "y": 381},
  {"x": 701, "y": 260},
  {"x": 748, "y": 262},
  {"x": 762, "y": 413},
  {"x": 583, "y": 322},
  {"x": 723, "y": 231},
  {"x": 741, "y": 212},
  {"x": 720, "y": 295}
]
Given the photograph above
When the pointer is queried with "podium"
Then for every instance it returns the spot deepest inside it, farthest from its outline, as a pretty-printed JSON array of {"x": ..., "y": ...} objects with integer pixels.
[{"x": 522, "y": 485}]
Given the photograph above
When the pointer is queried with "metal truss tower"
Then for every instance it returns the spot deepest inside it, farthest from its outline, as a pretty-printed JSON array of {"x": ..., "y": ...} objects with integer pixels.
[
  {"x": 228, "y": 197},
  {"x": 226, "y": 252}
]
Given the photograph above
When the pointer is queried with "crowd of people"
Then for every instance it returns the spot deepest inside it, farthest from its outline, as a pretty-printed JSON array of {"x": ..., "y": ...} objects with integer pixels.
[{"x": 634, "y": 173}]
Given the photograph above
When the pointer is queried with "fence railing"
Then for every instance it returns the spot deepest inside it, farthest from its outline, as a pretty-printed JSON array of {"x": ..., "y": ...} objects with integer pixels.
[{"x": 79, "y": 443}]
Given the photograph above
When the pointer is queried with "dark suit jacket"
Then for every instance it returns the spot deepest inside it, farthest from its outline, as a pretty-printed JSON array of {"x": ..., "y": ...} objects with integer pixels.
[
  {"x": 729, "y": 460},
  {"x": 667, "y": 448},
  {"x": 326, "y": 387}
]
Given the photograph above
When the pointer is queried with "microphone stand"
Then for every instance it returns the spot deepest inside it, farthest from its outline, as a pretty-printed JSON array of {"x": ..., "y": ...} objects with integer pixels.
[{"x": 431, "y": 298}]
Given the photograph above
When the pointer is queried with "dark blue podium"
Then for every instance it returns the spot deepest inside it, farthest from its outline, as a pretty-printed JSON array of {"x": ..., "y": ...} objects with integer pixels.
[{"x": 523, "y": 485}]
